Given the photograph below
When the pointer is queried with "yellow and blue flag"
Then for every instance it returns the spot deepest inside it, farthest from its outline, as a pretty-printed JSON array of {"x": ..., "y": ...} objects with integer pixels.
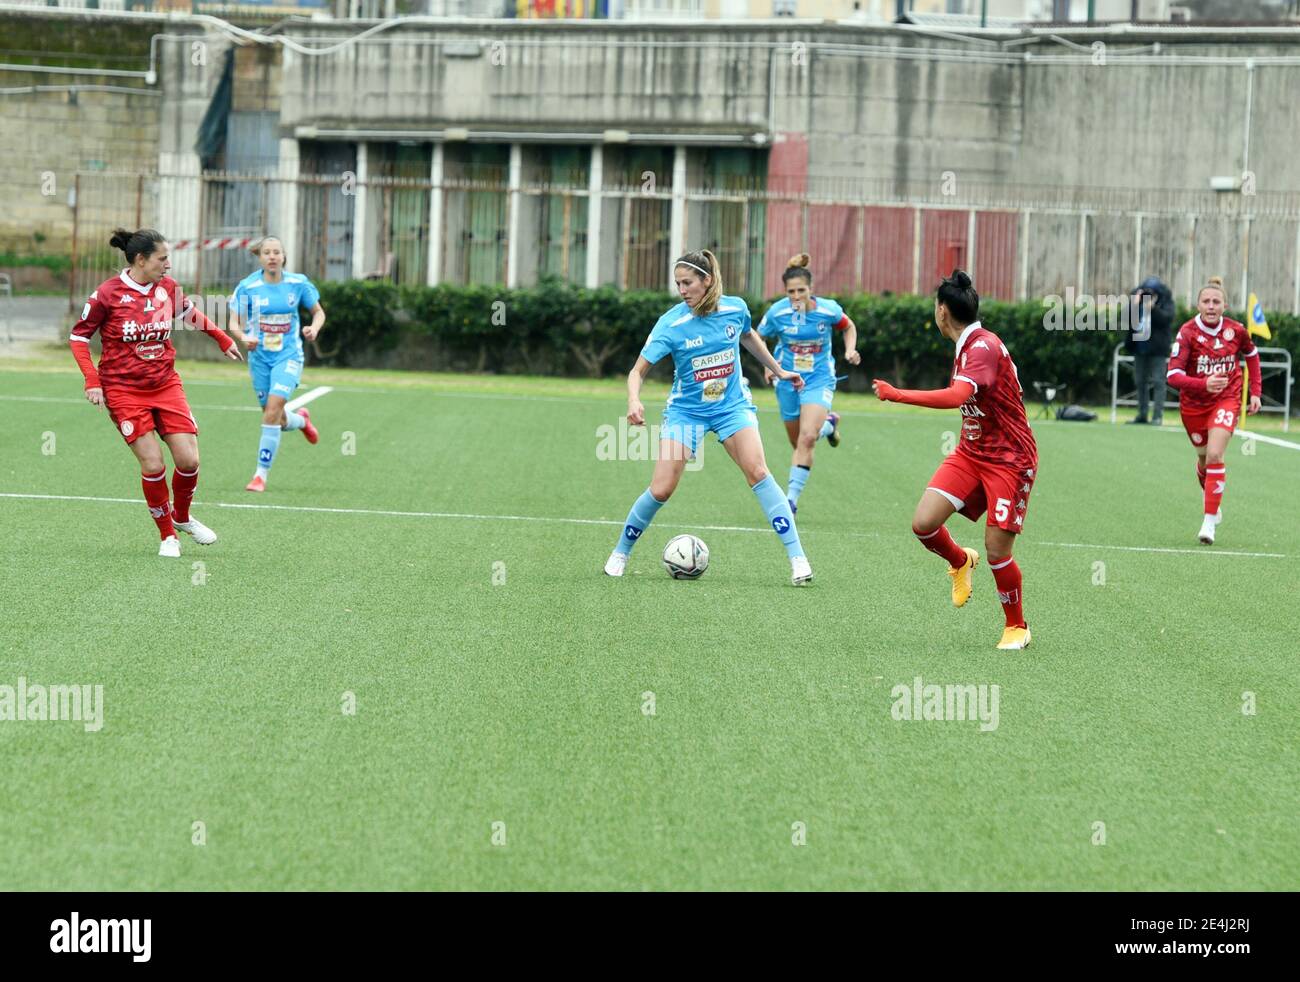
[{"x": 1258, "y": 325}]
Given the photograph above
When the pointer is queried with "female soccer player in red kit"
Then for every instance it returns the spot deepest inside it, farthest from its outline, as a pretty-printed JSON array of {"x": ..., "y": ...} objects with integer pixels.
[
  {"x": 996, "y": 459},
  {"x": 136, "y": 379},
  {"x": 1203, "y": 367}
]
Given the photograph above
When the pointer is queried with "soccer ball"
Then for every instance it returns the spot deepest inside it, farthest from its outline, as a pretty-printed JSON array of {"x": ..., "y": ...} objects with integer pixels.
[{"x": 686, "y": 557}]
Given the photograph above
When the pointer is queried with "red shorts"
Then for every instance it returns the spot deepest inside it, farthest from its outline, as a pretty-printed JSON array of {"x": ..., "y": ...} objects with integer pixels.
[
  {"x": 1198, "y": 420},
  {"x": 971, "y": 484},
  {"x": 137, "y": 411}
]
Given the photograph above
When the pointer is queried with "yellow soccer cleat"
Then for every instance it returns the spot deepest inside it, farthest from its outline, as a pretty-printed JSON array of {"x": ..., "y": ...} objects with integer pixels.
[
  {"x": 961, "y": 578},
  {"x": 1014, "y": 638}
]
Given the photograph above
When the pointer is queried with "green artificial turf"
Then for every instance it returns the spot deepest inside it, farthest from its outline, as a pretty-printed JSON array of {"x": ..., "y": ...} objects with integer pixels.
[{"x": 524, "y": 702}]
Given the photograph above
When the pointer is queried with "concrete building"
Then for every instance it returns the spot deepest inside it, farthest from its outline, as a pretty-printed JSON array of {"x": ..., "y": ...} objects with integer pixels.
[{"x": 504, "y": 151}]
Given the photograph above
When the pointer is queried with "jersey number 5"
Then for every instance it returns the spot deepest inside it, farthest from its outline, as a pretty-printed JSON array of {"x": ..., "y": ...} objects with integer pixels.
[{"x": 1002, "y": 509}]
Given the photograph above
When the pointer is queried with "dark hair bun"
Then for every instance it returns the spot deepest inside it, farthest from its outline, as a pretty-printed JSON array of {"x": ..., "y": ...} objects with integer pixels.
[
  {"x": 120, "y": 238},
  {"x": 961, "y": 279}
]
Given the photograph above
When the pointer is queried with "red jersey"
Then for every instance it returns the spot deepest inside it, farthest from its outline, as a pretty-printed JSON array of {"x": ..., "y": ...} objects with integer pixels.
[
  {"x": 135, "y": 326},
  {"x": 994, "y": 429},
  {"x": 1200, "y": 352}
]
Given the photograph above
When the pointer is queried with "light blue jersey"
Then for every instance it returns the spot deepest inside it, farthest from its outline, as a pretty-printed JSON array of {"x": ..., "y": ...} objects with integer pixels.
[
  {"x": 270, "y": 313},
  {"x": 805, "y": 338},
  {"x": 706, "y": 357}
]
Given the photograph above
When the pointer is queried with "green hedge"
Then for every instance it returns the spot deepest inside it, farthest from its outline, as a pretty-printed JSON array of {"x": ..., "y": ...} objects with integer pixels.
[{"x": 555, "y": 328}]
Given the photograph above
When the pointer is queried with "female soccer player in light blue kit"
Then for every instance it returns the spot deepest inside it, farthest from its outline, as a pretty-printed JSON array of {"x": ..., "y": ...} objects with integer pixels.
[
  {"x": 804, "y": 325},
  {"x": 267, "y": 303},
  {"x": 704, "y": 333}
]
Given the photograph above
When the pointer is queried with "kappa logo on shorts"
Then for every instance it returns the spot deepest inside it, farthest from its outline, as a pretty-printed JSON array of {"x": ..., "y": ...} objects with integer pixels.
[
  {"x": 632, "y": 532},
  {"x": 127, "y": 427},
  {"x": 781, "y": 525}
]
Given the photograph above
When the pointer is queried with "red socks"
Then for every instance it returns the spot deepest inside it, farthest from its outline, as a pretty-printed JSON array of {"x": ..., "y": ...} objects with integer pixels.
[
  {"x": 1200, "y": 470},
  {"x": 1215, "y": 478},
  {"x": 183, "y": 485},
  {"x": 940, "y": 543},
  {"x": 1007, "y": 575},
  {"x": 155, "y": 496}
]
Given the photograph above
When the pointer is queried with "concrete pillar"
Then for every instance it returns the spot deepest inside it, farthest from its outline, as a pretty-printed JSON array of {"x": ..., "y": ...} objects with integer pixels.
[
  {"x": 286, "y": 221},
  {"x": 512, "y": 216},
  {"x": 1024, "y": 254},
  {"x": 970, "y": 243},
  {"x": 1137, "y": 249},
  {"x": 1082, "y": 268},
  {"x": 917, "y": 230},
  {"x": 360, "y": 240},
  {"x": 178, "y": 203},
  {"x": 595, "y": 181},
  {"x": 677, "y": 226},
  {"x": 1295, "y": 304},
  {"x": 1245, "y": 261},
  {"x": 436, "y": 236}
]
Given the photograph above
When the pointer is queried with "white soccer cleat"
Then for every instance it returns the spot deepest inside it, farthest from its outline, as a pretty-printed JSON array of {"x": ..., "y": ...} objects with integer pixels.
[
  {"x": 616, "y": 563},
  {"x": 170, "y": 547},
  {"x": 1218, "y": 516},
  {"x": 1207, "y": 530},
  {"x": 203, "y": 535},
  {"x": 800, "y": 571}
]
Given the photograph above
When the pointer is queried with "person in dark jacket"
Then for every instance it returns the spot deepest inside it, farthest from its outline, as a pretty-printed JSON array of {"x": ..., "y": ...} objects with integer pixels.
[{"x": 1152, "y": 320}]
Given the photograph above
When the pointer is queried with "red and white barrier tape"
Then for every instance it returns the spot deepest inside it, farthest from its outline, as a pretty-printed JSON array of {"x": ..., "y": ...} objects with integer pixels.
[{"x": 214, "y": 243}]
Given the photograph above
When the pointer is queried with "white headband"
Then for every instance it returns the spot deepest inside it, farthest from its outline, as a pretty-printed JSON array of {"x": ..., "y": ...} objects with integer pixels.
[{"x": 683, "y": 262}]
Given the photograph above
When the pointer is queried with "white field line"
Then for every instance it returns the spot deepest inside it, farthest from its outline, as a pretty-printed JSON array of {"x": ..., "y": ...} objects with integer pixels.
[
  {"x": 598, "y": 521},
  {"x": 1269, "y": 439},
  {"x": 1245, "y": 435},
  {"x": 301, "y": 400},
  {"x": 309, "y": 396},
  {"x": 64, "y": 399}
]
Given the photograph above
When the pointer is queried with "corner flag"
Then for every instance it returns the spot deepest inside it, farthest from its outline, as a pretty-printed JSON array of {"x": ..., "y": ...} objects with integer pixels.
[{"x": 1258, "y": 325}]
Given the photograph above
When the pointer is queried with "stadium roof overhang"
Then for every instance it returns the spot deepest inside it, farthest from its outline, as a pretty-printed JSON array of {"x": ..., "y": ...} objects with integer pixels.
[{"x": 451, "y": 134}]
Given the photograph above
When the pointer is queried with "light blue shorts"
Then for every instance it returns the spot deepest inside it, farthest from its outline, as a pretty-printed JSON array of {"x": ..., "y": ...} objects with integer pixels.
[
  {"x": 689, "y": 430},
  {"x": 274, "y": 378},
  {"x": 820, "y": 393}
]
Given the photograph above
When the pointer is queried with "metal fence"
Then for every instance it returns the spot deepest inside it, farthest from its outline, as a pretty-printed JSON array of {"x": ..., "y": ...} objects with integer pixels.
[
  {"x": 1274, "y": 372},
  {"x": 475, "y": 224}
]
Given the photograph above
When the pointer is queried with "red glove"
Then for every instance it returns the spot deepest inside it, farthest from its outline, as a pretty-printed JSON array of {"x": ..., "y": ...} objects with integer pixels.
[{"x": 949, "y": 398}]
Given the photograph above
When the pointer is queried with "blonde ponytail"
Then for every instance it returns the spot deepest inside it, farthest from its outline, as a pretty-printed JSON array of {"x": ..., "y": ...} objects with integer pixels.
[{"x": 707, "y": 263}]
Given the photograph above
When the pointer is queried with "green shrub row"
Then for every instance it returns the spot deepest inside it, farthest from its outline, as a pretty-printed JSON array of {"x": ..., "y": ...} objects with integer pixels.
[{"x": 556, "y": 328}]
